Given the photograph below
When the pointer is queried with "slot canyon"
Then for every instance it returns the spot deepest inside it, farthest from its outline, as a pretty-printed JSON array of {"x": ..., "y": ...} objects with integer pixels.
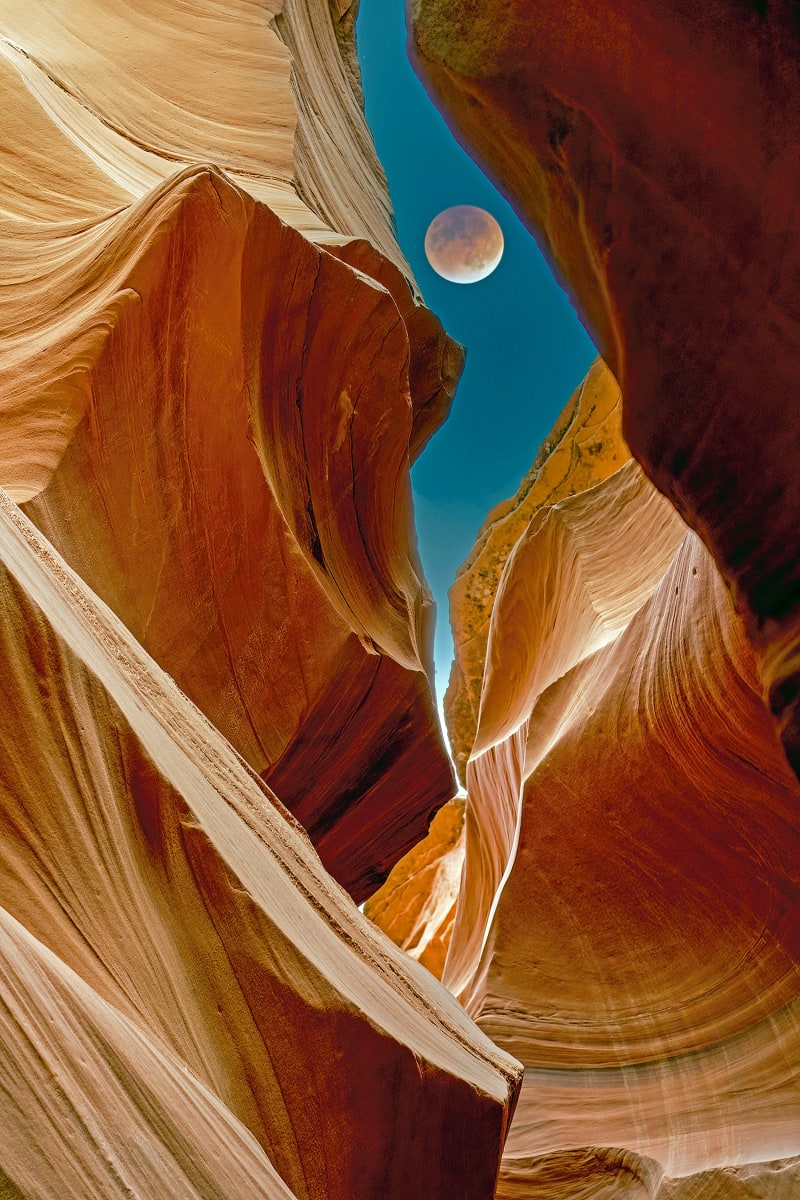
[{"x": 262, "y": 932}]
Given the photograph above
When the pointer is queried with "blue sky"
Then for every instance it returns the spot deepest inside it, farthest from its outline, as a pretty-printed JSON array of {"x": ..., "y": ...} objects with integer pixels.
[{"x": 526, "y": 349}]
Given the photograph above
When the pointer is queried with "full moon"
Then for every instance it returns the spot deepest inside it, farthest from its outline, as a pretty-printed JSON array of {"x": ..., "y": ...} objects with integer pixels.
[{"x": 464, "y": 244}]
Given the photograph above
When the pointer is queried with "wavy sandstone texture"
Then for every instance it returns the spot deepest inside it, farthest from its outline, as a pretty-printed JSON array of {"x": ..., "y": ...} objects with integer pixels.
[
  {"x": 205, "y": 970},
  {"x": 259, "y": 547},
  {"x": 653, "y": 150},
  {"x": 584, "y": 447},
  {"x": 628, "y": 916},
  {"x": 652, "y": 897},
  {"x": 216, "y": 638},
  {"x": 215, "y": 373},
  {"x": 417, "y": 905}
]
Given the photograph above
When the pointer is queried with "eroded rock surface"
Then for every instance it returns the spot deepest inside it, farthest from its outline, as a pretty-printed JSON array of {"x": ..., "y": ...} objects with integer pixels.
[
  {"x": 642, "y": 956},
  {"x": 628, "y": 914},
  {"x": 627, "y": 918},
  {"x": 190, "y": 420},
  {"x": 585, "y": 1174},
  {"x": 585, "y": 446},
  {"x": 653, "y": 150},
  {"x": 576, "y": 577},
  {"x": 204, "y": 968},
  {"x": 215, "y": 371},
  {"x": 416, "y": 906}
]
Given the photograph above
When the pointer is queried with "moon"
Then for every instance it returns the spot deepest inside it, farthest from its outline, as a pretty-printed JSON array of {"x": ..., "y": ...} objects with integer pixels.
[{"x": 464, "y": 244}]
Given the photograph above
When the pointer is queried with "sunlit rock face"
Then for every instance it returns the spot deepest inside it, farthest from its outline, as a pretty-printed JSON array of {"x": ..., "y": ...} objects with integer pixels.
[
  {"x": 416, "y": 906},
  {"x": 576, "y": 577},
  {"x": 192, "y": 423},
  {"x": 641, "y": 959},
  {"x": 585, "y": 446},
  {"x": 653, "y": 150},
  {"x": 215, "y": 372},
  {"x": 628, "y": 918}
]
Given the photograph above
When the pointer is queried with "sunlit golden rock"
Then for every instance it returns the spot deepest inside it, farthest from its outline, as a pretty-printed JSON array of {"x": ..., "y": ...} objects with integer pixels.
[
  {"x": 584, "y": 447},
  {"x": 642, "y": 954},
  {"x": 628, "y": 921},
  {"x": 416, "y": 906},
  {"x": 633, "y": 838},
  {"x": 576, "y": 578},
  {"x": 266, "y": 91}
]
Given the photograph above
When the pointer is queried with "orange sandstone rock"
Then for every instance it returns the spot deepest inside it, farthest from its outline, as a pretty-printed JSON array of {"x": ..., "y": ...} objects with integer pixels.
[
  {"x": 573, "y": 582},
  {"x": 116, "y": 1087},
  {"x": 416, "y": 906},
  {"x": 653, "y": 150},
  {"x": 186, "y": 414},
  {"x": 259, "y": 545},
  {"x": 627, "y": 924},
  {"x": 641, "y": 952},
  {"x": 436, "y": 361},
  {"x": 642, "y": 955},
  {"x": 214, "y": 374},
  {"x": 186, "y": 989},
  {"x": 584, "y": 447},
  {"x": 586, "y": 1174},
  {"x": 619, "y": 1175}
]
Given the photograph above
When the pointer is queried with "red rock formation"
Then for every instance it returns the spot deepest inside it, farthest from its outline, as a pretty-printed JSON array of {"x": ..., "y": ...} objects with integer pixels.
[
  {"x": 260, "y": 545},
  {"x": 237, "y": 546},
  {"x": 627, "y": 922},
  {"x": 214, "y": 374},
  {"x": 185, "y": 989},
  {"x": 190, "y": 1003},
  {"x": 652, "y": 895},
  {"x": 653, "y": 149},
  {"x": 573, "y": 582},
  {"x": 435, "y": 360},
  {"x": 638, "y": 926}
]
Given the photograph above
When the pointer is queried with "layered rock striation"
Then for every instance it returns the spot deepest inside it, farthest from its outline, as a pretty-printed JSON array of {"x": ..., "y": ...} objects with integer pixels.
[
  {"x": 628, "y": 913},
  {"x": 653, "y": 150},
  {"x": 417, "y": 904},
  {"x": 185, "y": 988},
  {"x": 584, "y": 447},
  {"x": 627, "y": 916},
  {"x": 215, "y": 633},
  {"x": 192, "y": 424}
]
